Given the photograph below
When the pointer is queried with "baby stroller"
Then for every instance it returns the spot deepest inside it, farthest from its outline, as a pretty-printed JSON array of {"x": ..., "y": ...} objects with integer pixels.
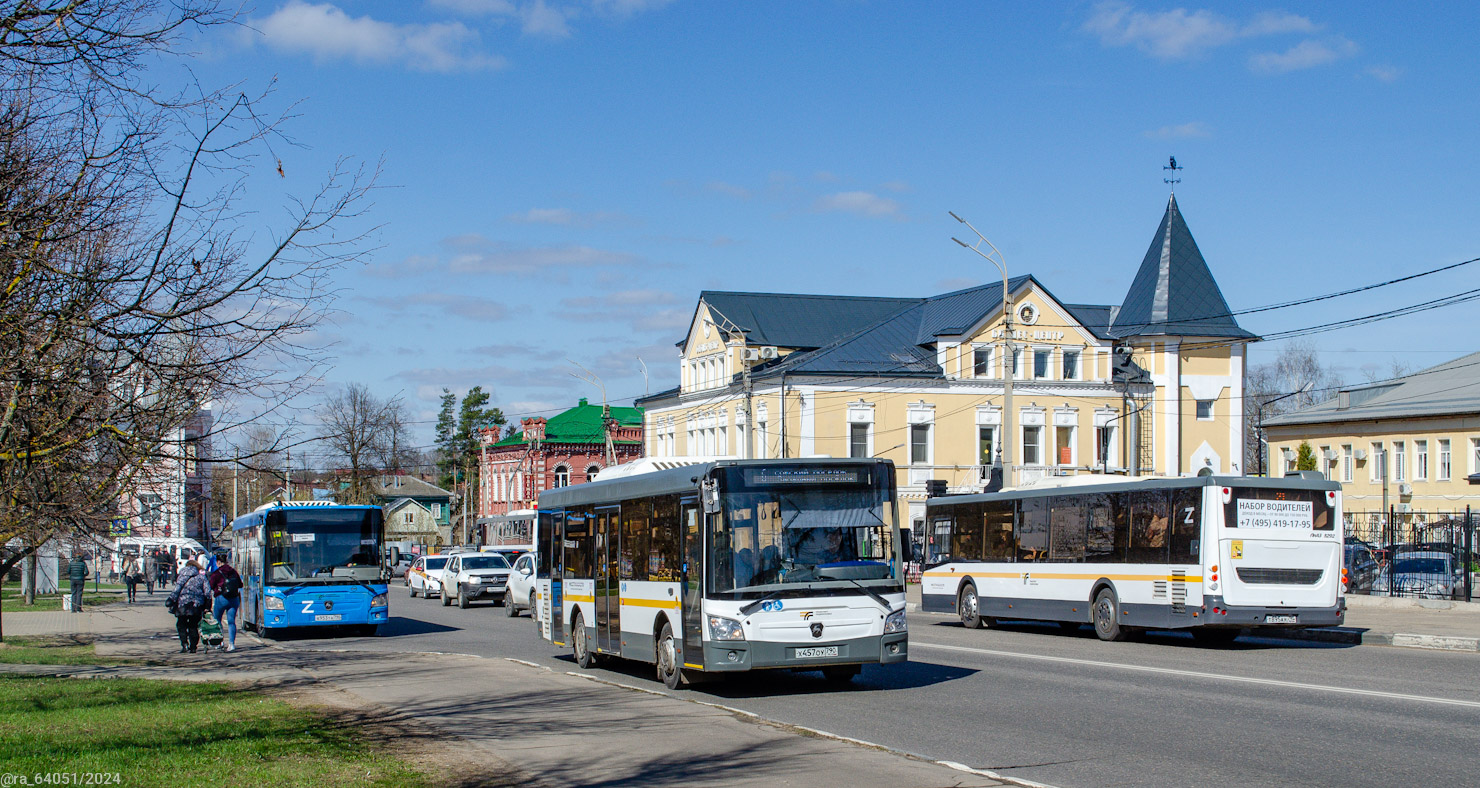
[{"x": 210, "y": 633}]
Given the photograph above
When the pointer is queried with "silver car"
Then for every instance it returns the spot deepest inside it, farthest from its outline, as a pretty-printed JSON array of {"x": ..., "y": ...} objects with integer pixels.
[
  {"x": 521, "y": 586},
  {"x": 1427, "y": 575}
]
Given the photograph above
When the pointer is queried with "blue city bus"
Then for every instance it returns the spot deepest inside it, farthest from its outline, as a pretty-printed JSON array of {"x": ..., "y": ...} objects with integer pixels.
[{"x": 311, "y": 564}]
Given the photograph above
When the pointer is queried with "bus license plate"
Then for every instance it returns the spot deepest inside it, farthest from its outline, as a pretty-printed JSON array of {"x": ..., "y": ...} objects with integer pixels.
[
  {"x": 334, "y": 617},
  {"x": 1282, "y": 619},
  {"x": 817, "y": 651}
]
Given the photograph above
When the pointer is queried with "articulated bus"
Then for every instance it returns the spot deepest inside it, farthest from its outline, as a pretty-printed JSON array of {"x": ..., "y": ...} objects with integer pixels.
[
  {"x": 311, "y": 564},
  {"x": 1209, "y": 554},
  {"x": 726, "y": 566}
]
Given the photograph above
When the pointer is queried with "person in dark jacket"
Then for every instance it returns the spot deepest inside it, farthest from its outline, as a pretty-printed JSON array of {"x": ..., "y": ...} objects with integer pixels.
[
  {"x": 77, "y": 576},
  {"x": 191, "y": 597},
  {"x": 133, "y": 574},
  {"x": 226, "y": 585}
]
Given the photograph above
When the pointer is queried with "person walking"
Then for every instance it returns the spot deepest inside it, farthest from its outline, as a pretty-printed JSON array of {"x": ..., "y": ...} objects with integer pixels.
[
  {"x": 133, "y": 572},
  {"x": 77, "y": 576},
  {"x": 226, "y": 584},
  {"x": 188, "y": 602},
  {"x": 149, "y": 571}
]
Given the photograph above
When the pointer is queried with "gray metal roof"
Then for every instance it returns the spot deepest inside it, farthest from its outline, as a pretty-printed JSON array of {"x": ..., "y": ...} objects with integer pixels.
[
  {"x": 1174, "y": 293},
  {"x": 800, "y": 321},
  {"x": 406, "y": 486},
  {"x": 1447, "y": 389},
  {"x": 952, "y": 314}
]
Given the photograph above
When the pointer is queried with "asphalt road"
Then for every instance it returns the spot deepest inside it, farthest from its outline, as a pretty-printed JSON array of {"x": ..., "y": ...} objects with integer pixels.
[{"x": 1063, "y": 708}]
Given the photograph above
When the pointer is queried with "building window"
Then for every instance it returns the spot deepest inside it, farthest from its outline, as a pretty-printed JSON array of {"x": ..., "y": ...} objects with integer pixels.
[
  {"x": 1400, "y": 461},
  {"x": 762, "y": 443},
  {"x": 1104, "y": 446},
  {"x": 1374, "y": 463},
  {"x": 562, "y": 476},
  {"x": 1290, "y": 455},
  {"x": 981, "y": 362},
  {"x": 410, "y": 518},
  {"x": 1071, "y": 365},
  {"x": 1444, "y": 460},
  {"x": 1041, "y": 357},
  {"x": 1204, "y": 410},
  {"x": 150, "y": 505},
  {"x": 437, "y": 510},
  {"x": 986, "y": 445},
  {"x": 1420, "y": 460},
  {"x": 592, "y": 471},
  {"x": 1032, "y": 445},
  {"x": 858, "y": 441},
  {"x": 1346, "y": 462},
  {"x": 1064, "y": 443},
  {"x": 919, "y": 444},
  {"x": 1017, "y": 362}
]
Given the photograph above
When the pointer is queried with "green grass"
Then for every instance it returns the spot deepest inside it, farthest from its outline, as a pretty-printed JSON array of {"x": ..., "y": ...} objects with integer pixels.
[
  {"x": 166, "y": 733},
  {"x": 14, "y": 602},
  {"x": 55, "y": 650}
]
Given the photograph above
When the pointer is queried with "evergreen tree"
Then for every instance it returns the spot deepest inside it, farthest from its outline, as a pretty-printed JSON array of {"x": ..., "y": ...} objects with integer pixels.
[
  {"x": 1305, "y": 457},
  {"x": 447, "y": 453}
]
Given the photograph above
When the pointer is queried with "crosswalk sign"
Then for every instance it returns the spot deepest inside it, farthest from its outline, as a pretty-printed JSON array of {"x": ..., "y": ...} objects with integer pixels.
[{"x": 119, "y": 527}]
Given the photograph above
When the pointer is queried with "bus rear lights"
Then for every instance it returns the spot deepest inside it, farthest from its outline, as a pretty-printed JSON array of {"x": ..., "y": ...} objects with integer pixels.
[
  {"x": 1227, "y": 494},
  {"x": 1331, "y": 497}
]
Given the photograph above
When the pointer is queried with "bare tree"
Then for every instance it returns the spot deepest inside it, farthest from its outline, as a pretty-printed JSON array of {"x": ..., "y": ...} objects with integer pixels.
[
  {"x": 1296, "y": 379},
  {"x": 362, "y": 431},
  {"x": 132, "y": 289}
]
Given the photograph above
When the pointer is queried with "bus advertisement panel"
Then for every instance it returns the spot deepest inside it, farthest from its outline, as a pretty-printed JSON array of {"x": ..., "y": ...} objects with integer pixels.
[
  {"x": 306, "y": 564},
  {"x": 1210, "y": 554},
  {"x": 727, "y": 566}
]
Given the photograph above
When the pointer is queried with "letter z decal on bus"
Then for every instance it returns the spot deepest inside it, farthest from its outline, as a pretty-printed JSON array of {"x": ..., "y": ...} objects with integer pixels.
[{"x": 307, "y": 606}]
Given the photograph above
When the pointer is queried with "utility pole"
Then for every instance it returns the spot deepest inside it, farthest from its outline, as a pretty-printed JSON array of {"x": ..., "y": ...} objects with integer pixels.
[
  {"x": 288, "y": 471},
  {"x": 749, "y": 426},
  {"x": 234, "y": 468},
  {"x": 1009, "y": 360}
]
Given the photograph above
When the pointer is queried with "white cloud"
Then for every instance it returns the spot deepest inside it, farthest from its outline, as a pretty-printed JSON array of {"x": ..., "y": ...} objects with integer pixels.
[
  {"x": 328, "y": 33},
  {"x": 861, "y": 203},
  {"x": 539, "y": 19},
  {"x": 1179, "y": 34},
  {"x": 1388, "y": 74},
  {"x": 1306, "y": 54},
  {"x": 563, "y": 216},
  {"x": 478, "y": 255},
  {"x": 896, "y": 186},
  {"x": 433, "y": 305},
  {"x": 1194, "y": 129},
  {"x": 729, "y": 189},
  {"x": 627, "y": 7},
  {"x": 477, "y": 7}
]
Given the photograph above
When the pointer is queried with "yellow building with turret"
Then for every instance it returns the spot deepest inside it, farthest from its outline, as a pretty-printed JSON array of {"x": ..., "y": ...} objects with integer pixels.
[{"x": 920, "y": 381}]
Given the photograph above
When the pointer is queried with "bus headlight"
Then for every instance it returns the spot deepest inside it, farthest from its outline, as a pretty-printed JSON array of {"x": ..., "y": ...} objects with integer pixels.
[
  {"x": 895, "y": 623},
  {"x": 378, "y": 600},
  {"x": 725, "y": 629},
  {"x": 273, "y": 603}
]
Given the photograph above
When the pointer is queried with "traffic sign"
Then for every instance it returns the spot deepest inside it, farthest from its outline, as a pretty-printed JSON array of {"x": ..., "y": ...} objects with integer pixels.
[{"x": 119, "y": 527}]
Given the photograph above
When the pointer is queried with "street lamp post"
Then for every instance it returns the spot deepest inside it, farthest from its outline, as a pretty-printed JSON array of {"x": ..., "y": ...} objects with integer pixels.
[
  {"x": 1263, "y": 447},
  {"x": 1004, "y": 444}
]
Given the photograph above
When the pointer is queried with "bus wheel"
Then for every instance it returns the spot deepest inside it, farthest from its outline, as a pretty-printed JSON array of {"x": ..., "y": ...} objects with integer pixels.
[
  {"x": 1107, "y": 616},
  {"x": 841, "y": 674},
  {"x": 969, "y": 608},
  {"x": 669, "y": 671},
  {"x": 582, "y": 647}
]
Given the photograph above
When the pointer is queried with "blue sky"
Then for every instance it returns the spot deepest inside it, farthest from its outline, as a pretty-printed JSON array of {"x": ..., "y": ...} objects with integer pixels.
[{"x": 562, "y": 178}]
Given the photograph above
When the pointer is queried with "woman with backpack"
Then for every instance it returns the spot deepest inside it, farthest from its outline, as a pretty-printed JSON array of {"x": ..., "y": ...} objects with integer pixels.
[
  {"x": 188, "y": 602},
  {"x": 226, "y": 584}
]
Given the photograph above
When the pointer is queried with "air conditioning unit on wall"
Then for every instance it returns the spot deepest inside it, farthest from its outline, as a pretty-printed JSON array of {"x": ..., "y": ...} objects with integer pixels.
[
  {"x": 1405, "y": 488},
  {"x": 1360, "y": 454}
]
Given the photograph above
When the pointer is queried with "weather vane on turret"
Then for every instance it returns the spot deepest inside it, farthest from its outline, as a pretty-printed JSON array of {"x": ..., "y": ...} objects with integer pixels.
[{"x": 1172, "y": 178}]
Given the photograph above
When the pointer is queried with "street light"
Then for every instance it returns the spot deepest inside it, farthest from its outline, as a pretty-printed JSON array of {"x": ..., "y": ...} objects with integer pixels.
[
  {"x": 1004, "y": 446},
  {"x": 1263, "y": 447}
]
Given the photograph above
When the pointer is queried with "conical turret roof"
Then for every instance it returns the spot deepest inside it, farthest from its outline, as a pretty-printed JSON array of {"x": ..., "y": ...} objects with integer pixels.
[{"x": 1174, "y": 293}]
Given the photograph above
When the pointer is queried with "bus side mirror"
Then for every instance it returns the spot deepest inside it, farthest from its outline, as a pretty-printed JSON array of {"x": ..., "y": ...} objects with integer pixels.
[
  {"x": 906, "y": 547},
  {"x": 394, "y": 554}
]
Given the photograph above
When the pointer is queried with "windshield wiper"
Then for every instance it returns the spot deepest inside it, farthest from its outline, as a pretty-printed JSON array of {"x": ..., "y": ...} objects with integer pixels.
[
  {"x": 888, "y": 608},
  {"x": 750, "y": 607}
]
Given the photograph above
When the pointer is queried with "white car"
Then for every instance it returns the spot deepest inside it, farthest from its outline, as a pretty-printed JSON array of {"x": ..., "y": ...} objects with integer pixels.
[
  {"x": 520, "y": 595},
  {"x": 470, "y": 576},
  {"x": 424, "y": 578}
]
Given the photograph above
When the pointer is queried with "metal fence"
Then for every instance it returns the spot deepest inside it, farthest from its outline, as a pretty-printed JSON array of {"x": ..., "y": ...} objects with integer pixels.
[{"x": 1428, "y": 555}]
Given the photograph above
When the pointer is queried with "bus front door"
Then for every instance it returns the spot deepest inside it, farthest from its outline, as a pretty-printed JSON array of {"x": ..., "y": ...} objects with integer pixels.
[
  {"x": 608, "y": 602},
  {"x": 693, "y": 588}
]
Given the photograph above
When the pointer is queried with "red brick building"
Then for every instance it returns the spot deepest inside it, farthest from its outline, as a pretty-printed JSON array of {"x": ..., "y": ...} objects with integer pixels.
[{"x": 547, "y": 453}]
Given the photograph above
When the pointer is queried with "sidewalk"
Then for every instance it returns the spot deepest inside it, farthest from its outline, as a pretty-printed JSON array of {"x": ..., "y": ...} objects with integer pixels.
[
  {"x": 1381, "y": 621},
  {"x": 547, "y": 727}
]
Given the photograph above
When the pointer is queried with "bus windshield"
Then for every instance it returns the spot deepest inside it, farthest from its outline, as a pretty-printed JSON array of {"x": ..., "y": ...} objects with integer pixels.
[
  {"x": 323, "y": 546},
  {"x": 782, "y": 526}
]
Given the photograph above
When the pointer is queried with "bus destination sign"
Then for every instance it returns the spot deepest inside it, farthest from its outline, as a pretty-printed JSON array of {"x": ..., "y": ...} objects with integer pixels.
[
  {"x": 1275, "y": 514},
  {"x": 758, "y": 476}
]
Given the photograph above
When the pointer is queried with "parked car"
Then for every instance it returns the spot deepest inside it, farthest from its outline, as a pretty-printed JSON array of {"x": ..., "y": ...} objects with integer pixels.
[
  {"x": 470, "y": 576},
  {"x": 509, "y": 552},
  {"x": 1361, "y": 567},
  {"x": 424, "y": 578},
  {"x": 520, "y": 595},
  {"x": 1427, "y": 574}
]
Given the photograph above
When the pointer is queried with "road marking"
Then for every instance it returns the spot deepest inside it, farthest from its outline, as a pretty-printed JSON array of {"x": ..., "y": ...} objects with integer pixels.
[{"x": 915, "y": 644}]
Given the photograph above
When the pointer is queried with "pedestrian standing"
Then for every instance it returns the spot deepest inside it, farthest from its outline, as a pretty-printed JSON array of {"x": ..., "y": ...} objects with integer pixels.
[
  {"x": 226, "y": 584},
  {"x": 133, "y": 572},
  {"x": 77, "y": 576},
  {"x": 149, "y": 572},
  {"x": 188, "y": 602}
]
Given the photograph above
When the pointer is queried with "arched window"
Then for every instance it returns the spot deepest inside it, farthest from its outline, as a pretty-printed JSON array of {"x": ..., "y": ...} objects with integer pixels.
[
  {"x": 592, "y": 471},
  {"x": 562, "y": 476}
]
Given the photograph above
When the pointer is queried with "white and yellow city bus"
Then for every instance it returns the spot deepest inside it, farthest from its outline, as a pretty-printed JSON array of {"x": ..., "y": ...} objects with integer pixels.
[
  {"x": 1210, "y": 554},
  {"x": 726, "y": 566}
]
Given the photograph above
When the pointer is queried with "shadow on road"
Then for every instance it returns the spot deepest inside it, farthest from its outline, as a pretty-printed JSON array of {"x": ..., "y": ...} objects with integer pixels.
[{"x": 1251, "y": 640}]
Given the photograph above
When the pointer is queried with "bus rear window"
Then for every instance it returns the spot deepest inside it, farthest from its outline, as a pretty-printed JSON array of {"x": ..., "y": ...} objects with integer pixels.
[{"x": 1254, "y": 509}]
